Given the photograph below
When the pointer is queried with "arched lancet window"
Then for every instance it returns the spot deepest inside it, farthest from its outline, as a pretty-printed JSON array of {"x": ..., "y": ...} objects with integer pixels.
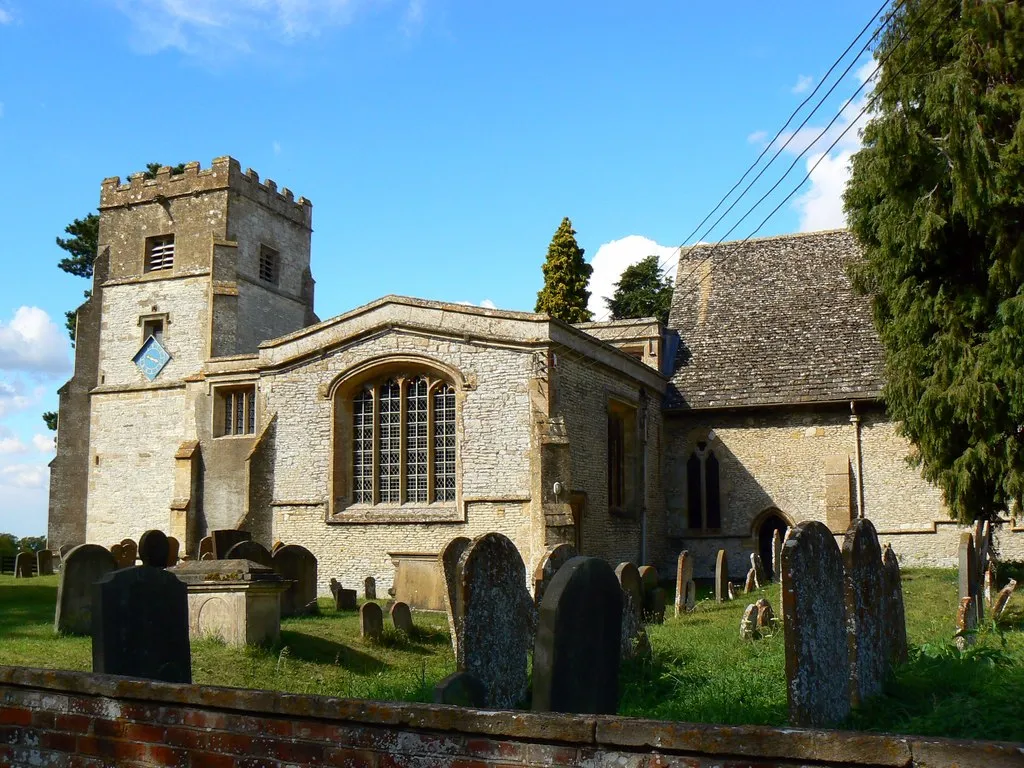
[
  {"x": 444, "y": 443},
  {"x": 703, "y": 494}
]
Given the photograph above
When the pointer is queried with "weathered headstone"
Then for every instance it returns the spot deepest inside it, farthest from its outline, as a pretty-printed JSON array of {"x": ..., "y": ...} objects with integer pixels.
[
  {"x": 765, "y": 615},
  {"x": 344, "y": 599},
  {"x": 631, "y": 584},
  {"x": 371, "y": 621},
  {"x": 865, "y": 601},
  {"x": 722, "y": 577},
  {"x": 121, "y": 556},
  {"x": 760, "y": 580},
  {"x": 630, "y": 581},
  {"x": 130, "y": 552},
  {"x": 401, "y": 617},
  {"x": 460, "y": 689},
  {"x": 250, "y": 550},
  {"x": 205, "y": 547},
  {"x": 83, "y": 566},
  {"x": 730, "y": 591},
  {"x": 576, "y": 655},
  {"x": 749, "y": 584},
  {"x": 966, "y": 623},
  {"x": 207, "y": 556},
  {"x": 648, "y": 577},
  {"x": 497, "y": 617},
  {"x": 1003, "y": 598},
  {"x": 776, "y": 554},
  {"x": 814, "y": 621},
  {"x": 173, "y": 550},
  {"x": 224, "y": 539},
  {"x": 989, "y": 580},
  {"x": 63, "y": 551},
  {"x": 654, "y": 609},
  {"x": 296, "y": 564},
  {"x": 691, "y": 596},
  {"x": 44, "y": 562},
  {"x": 748, "y": 622},
  {"x": 552, "y": 559},
  {"x": 448, "y": 562},
  {"x": 894, "y": 618},
  {"x": 684, "y": 577},
  {"x": 969, "y": 584},
  {"x": 23, "y": 565},
  {"x": 140, "y": 619},
  {"x": 277, "y": 545},
  {"x": 370, "y": 588}
]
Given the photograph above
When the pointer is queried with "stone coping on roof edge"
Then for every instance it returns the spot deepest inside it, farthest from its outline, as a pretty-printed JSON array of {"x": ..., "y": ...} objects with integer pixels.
[{"x": 850, "y": 748}]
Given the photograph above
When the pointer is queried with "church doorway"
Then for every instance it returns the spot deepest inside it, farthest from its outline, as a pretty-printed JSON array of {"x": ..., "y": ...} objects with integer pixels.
[{"x": 771, "y": 521}]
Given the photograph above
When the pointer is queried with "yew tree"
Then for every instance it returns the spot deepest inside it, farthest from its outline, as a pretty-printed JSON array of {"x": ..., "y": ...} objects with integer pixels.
[
  {"x": 643, "y": 290},
  {"x": 566, "y": 275}
]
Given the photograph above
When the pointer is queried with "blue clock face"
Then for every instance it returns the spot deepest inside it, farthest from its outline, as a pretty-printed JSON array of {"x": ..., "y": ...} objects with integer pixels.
[{"x": 152, "y": 358}]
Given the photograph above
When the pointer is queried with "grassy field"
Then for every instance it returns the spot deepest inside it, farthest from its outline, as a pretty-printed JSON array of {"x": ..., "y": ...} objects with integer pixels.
[{"x": 700, "y": 671}]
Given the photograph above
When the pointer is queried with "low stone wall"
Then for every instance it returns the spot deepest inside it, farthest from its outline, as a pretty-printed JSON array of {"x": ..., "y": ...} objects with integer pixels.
[{"x": 59, "y": 718}]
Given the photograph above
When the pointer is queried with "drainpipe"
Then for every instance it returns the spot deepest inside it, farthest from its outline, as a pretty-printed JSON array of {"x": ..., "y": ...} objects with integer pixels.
[
  {"x": 643, "y": 477},
  {"x": 855, "y": 420}
]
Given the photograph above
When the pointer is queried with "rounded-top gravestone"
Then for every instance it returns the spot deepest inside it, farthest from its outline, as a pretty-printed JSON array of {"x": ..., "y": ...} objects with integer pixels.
[
  {"x": 130, "y": 550},
  {"x": 154, "y": 549},
  {"x": 371, "y": 621},
  {"x": 552, "y": 559},
  {"x": 251, "y": 550},
  {"x": 174, "y": 547},
  {"x": 401, "y": 617},
  {"x": 648, "y": 577},
  {"x": 865, "y": 600},
  {"x": 722, "y": 577},
  {"x": 448, "y": 562},
  {"x": 630, "y": 581},
  {"x": 83, "y": 566},
  {"x": 894, "y": 615},
  {"x": 298, "y": 565}
]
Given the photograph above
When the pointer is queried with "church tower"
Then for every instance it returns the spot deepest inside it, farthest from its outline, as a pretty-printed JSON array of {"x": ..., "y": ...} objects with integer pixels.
[{"x": 193, "y": 266}]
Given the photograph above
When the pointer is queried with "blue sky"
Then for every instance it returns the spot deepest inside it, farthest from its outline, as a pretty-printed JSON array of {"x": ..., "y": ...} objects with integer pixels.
[{"x": 441, "y": 143}]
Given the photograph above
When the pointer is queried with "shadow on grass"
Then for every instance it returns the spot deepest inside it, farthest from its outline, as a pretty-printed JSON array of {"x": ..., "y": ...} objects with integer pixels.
[
  {"x": 23, "y": 604},
  {"x": 320, "y": 650}
]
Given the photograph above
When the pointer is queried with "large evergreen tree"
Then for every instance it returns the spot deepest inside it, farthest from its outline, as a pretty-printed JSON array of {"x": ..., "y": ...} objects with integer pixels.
[
  {"x": 565, "y": 295},
  {"x": 936, "y": 200},
  {"x": 643, "y": 290}
]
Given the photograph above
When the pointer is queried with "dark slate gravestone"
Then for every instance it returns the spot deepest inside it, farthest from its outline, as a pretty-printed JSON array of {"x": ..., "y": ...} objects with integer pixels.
[
  {"x": 401, "y": 617},
  {"x": 370, "y": 588},
  {"x": 684, "y": 575},
  {"x": 460, "y": 689},
  {"x": 23, "y": 565},
  {"x": 497, "y": 617},
  {"x": 371, "y": 621},
  {"x": 865, "y": 601},
  {"x": 894, "y": 618},
  {"x": 576, "y": 655},
  {"x": 83, "y": 566},
  {"x": 344, "y": 599},
  {"x": 722, "y": 577},
  {"x": 552, "y": 559},
  {"x": 140, "y": 619},
  {"x": 130, "y": 552},
  {"x": 206, "y": 547},
  {"x": 224, "y": 539},
  {"x": 297, "y": 565},
  {"x": 814, "y": 621},
  {"x": 250, "y": 550},
  {"x": 448, "y": 563},
  {"x": 44, "y": 562},
  {"x": 173, "y": 549}
]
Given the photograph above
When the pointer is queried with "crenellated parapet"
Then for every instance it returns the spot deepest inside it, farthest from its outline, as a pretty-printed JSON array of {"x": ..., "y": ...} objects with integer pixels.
[{"x": 223, "y": 173}]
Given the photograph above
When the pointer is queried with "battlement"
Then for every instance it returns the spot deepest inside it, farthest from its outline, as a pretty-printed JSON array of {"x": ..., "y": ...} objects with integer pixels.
[{"x": 223, "y": 173}]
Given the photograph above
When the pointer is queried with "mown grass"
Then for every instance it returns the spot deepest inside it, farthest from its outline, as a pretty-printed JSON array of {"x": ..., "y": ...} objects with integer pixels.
[{"x": 700, "y": 671}]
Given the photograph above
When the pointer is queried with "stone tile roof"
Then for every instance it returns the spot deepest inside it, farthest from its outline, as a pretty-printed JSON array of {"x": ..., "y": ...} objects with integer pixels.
[{"x": 772, "y": 321}]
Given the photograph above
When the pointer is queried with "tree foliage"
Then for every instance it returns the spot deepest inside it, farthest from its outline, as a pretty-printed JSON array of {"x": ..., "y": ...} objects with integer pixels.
[
  {"x": 50, "y": 417},
  {"x": 81, "y": 245},
  {"x": 566, "y": 275},
  {"x": 936, "y": 200},
  {"x": 643, "y": 290}
]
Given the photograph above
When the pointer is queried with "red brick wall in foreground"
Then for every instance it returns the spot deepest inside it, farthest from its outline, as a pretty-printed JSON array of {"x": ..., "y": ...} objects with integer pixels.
[{"x": 58, "y": 718}]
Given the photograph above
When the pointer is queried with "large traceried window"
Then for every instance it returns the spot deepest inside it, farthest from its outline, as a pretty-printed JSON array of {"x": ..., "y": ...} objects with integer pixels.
[{"x": 403, "y": 441}]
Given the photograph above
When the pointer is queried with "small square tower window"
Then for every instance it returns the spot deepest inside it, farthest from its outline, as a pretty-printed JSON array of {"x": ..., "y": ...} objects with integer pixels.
[
  {"x": 269, "y": 262},
  {"x": 235, "y": 411},
  {"x": 159, "y": 253},
  {"x": 153, "y": 327}
]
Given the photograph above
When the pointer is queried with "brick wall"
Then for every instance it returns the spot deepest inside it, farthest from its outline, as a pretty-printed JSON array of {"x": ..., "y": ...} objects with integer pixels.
[{"x": 57, "y": 718}]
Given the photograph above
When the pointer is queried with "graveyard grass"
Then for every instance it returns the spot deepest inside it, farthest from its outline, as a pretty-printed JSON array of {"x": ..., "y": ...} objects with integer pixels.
[{"x": 700, "y": 671}]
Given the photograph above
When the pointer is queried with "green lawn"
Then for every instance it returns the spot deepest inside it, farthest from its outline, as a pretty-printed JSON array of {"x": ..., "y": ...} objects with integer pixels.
[{"x": 701, "y": 671}]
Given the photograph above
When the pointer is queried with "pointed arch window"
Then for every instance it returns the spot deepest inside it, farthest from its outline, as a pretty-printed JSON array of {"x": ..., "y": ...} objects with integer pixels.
[{"x": 703, "y": 490}]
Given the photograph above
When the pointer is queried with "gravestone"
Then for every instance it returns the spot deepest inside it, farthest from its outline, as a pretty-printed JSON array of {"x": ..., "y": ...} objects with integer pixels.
[
  {"x": 765, "y": 615},
  {"x": 206, "y": 547},
  {"x": 552, "y": 559},
  {"x": 1003, "y": 598},
  {"x": 129, "y": 551},
  {"x": 207, "y": 556},
  {"x": 140, "y": 619},
  {"x": 748, "y": 622},
  {"x": 63, "y": 551},
  {"x": 370, "y": 588},
  {"x": 448, "y": 562},
  {"x": 576, "y": 655},
  {"x": 371, "y": 621},
  {"x": 757, "y": 567},
  {"x": 865, "y": 600},
  {"x": 224, "y": 539},
  {"x": 276, "y": 546},
  {"x": 776, "y": 553},
  {"x": 344, "y": 599},
  {"x": 722, "y": 577},
  {"x": 296, "y": 564},
  {"x": 401, "y": 617},
  {"x": 730, "y": 591},
  {"x": 460, "y": 689},
  {"x": 750, "y": 582},
  {"x": 44, "y": 562},
  {"x": 894, "y": 618},
  {"x": 969, "y": 585},
  {"x": 691, "y": 596},
  {"x": 250, "y": 550},
  {"x": 654, "y": 610},
  {"x": 23, "y": 565},
  {"x": 779, "y": 573},
  {"x": 814, "y": 623},
  {"x": 497, "y": 616},
  {"x": 633, "y": 637},
  {"x": 966, "y": 623},
  {"x": 173, "y": 550},
  {"x": 629, "y": 580},
  {"x": 121, "y": 556},
  {"x": 648, "y": 577},
  {"x": 684, "y": 576}
]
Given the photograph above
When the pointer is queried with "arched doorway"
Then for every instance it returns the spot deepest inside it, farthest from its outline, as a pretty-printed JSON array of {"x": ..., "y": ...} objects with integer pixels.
[{"x": 768, "y": 522}]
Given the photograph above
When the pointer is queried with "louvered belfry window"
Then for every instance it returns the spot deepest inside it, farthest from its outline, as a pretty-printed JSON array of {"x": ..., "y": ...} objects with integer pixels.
[{"x": 159, "y": 253}]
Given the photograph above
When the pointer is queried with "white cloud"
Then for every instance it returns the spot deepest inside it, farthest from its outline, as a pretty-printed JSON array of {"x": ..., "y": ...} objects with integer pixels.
[
  {"x": 412, "y": 19},
  {"x": 11, "y": 445},
  {"x": 43, "y": 443},
  {"x": 14, "y": 398},
  {"x": 487, "y": 304},
  {"x": 803, "y": 82},
  {"x": 757, "y": 137},
  {"x": 33, "y": 343},
  {"x": 24, "y": 475},
  {"x": 613, "y": 257}
]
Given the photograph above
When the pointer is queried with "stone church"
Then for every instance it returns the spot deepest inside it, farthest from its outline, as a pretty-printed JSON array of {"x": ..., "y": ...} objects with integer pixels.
[{"x": 207, "y": 394}]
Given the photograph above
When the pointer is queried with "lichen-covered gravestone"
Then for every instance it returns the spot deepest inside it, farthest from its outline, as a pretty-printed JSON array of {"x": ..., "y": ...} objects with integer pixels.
[
  {"x": 298, "y": 565},
  {"x": 224, "y": 539},
  {"x": 250, "y": 550},
  {"x": 1003, "y": 598},
  {"x": 865, "y": 602},
  {"x": 748, "y": 622},
  {"x": 371, "y": 621},
  {"x": 632, "y": 607},
  {"x": 894, "y": 616},
  {"x": 966, "y": 623},
  {"x": 448, "y": 562},
  {"x": 140, "y": 619},
  {"x": 969, "y": 582},
  {"x": 765, "y": 615},
  {"x": 749, "y": 584},
  {"x": 722, "y": 577},
  {"x": 497, "y": 617},
  {"x": 370, "y": 588},
  {"x": 576, "y": 656},
  {"x": 44, "y": 562},
  {"x": 684, "y": 577},
  {"x": 552, "y": 559},
  {"x": 814, "y": 621},
  {"x": 760, "y": 580},
  {"x": 83, "y": 566},
  {"x": 401, "y": 617}
]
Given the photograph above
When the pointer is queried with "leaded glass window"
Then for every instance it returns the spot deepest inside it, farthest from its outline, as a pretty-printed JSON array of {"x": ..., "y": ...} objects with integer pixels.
[
  {"x": 444, "y": 443},
  {"x": 362, "y": 447},
  {"x": 416, "y": 440},
  {"x": 390, "y": 467}
]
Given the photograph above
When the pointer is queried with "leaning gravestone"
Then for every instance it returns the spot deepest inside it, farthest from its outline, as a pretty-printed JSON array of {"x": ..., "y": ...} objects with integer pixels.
[
  {"x": 750, "y": 583},
  {"x": 250, "y": 550},
  {"x": 969, "y": 582},
  {"x": 173, "y": 549},
  {"x": 765, "y": 615},
  {"x": 865, "y": 600},
  {"x": 298, "y": 565},
  {"x": 83, "y": 566},
  {"x": 140, "y": 619},
  {"x": 760, "y": 580},
  {"x": 401, "y": 617},
  {"x": 224, "y": 539},
  {"x": 344, "y": 599},
  {"x": 448, "y": 562},
  {"x": 684, "y": 576},
  {"x": 1003, "y": 598},
  {"x": 722, "y": 577},
  {"x": 371, "y": 621},
  {"x": 552, "y": 559},
  {"x": 44, "y": 562},
  {"x": 894, "y": 618},
  {"x": 369, "y": 588},
  {"x": 23, "y": 565},
  {"x": 576, "y": 656},
  {"x": 814, "y": 621},
  {"x": 497, "y": 617},
  {"x": 748, "y": 622}
]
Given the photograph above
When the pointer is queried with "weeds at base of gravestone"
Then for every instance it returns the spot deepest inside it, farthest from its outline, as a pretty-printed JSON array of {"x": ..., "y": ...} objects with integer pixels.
[{"x": 282, "y": 657}]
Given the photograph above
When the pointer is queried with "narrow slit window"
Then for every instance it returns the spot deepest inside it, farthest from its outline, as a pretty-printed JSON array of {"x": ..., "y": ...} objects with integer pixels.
[{"x": 159, "y": 253}]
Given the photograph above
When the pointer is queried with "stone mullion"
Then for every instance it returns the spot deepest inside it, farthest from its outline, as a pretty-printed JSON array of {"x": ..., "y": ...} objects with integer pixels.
[
  {"x": 403, "y": 440},
  {"x": 375, "y": 390}
]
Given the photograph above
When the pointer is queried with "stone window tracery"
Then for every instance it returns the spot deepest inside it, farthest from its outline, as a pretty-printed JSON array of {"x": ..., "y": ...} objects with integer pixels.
[{"x": 703, "y": 490}]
